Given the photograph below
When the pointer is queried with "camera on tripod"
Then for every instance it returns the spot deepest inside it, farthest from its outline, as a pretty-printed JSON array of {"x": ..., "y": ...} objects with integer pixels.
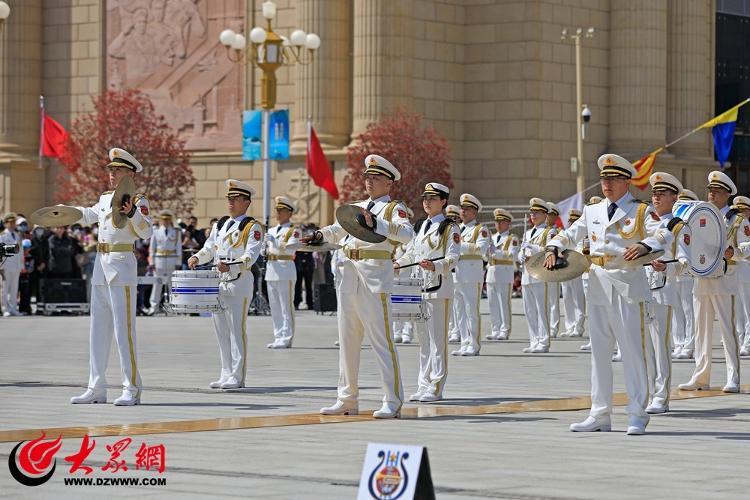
[{"x": 8, "y": 250}]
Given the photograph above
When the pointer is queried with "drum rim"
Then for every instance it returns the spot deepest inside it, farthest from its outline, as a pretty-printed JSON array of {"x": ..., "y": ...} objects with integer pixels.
[{"x": 698, "y": 205}]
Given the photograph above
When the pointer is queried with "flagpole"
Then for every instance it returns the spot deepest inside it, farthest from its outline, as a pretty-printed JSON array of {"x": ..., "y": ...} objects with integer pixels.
[
  {"x": 309, "y": 139},
  {"x": 41, "y": 131}
]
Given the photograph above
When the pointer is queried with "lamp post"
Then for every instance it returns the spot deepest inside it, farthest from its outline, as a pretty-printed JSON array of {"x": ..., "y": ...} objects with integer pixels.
[
  {"x": 579, "y": 34},
  {"x": 269, "y": 51},
  {"x": 4, "y": 13}
]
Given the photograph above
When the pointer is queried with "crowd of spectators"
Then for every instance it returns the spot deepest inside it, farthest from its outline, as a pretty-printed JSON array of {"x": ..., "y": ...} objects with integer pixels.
[{"x": 69, "y": 252}]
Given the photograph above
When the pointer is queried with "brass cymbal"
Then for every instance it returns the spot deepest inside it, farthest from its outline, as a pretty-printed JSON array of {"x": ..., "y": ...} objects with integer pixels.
[
  {"x": 349, "y": 217},
  {"x": 621, "y": 263},
  {"x": 59, "y": 215},
  {"x": 313, "y": 247},
  {"x": 124, "y": 191},
  {"x": 573, "y": 263}
]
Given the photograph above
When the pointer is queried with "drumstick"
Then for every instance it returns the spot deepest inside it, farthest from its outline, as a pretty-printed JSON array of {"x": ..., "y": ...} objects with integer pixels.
[
  {"x": 417, "y": 263},
  {"x": 663, "y": 262}
]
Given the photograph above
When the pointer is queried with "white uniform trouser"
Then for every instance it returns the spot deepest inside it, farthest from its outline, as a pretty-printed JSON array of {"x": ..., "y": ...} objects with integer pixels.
[
  {"x": 454, "y": 327},
  {"x": 230, "y": 324},
  {"x": 724, "y": 307},
  {"x": 553, "y": 290},
  {"x": 624, "y": 322},
  {"x": 536, "y": 307},
  {"x": 10, "y": 290},
  {"x": 156, "y": 288},
  {"x": 573, "y": 306},
  {"x": 364, "y": 312},
  {"x": 659, "y": 353},
  {"x": 499, "y": 295},
  {"x": 743, "y": 314},
  {"x": 467, "y": 315},
  {"x": 433, "y": 347},
  {"x": 685, "y": 335},
  {"x": 281, "y": 300},
  {"x": 113, "y": 309}
]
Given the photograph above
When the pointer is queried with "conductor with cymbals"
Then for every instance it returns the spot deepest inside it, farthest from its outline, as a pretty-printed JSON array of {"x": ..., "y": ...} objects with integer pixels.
[
  {"x": 123, "y": 217},
  {"x": 618, "y": 227},
  {"x": 374, "y": 228}
]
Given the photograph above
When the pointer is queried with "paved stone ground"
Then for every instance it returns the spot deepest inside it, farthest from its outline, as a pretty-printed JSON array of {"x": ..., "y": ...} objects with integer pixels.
[{"x": 696, "y": 451}]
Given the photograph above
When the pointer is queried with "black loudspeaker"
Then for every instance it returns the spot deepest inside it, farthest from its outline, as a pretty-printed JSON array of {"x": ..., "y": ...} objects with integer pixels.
[
  {"x": 63, "y": 291},
  {"x": 324, "y": 298}
]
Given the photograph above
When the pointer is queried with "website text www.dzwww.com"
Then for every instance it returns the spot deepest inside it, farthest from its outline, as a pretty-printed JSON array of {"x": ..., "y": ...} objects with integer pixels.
[{"x": 115, "y": 481}]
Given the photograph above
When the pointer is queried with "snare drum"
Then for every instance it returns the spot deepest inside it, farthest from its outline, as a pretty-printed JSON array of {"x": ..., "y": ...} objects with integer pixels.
[
  {"x": 708, "y": 236},
  {"x": 194, "y": 292},
  {"x": 406, "y": 300}
]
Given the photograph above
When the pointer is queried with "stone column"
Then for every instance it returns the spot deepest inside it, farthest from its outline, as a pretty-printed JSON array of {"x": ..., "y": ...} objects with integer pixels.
[
  {"x": 638, "y": 76},
  {"x": 324, "y": 87},
  {"x": 689, "y": 70},
  {"x": 20, "y": 79},
  {"x": 382, "y": 59}
]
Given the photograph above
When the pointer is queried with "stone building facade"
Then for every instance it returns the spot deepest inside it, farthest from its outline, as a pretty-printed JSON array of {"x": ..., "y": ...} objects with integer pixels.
[{"x": 492, "y": 75}]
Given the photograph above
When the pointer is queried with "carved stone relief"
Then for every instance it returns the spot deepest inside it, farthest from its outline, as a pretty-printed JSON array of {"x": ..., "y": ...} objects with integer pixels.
[{"x": 170, "y": 49}]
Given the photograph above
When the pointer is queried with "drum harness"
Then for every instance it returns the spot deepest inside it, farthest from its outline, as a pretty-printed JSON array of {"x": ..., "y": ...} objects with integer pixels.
[{"x": 243, "y": 238}]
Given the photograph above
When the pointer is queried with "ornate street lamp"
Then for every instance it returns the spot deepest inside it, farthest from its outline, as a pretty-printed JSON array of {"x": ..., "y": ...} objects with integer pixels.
[
  {"x": 269, "y": 51},
  {"x": 4, "y": 13}
]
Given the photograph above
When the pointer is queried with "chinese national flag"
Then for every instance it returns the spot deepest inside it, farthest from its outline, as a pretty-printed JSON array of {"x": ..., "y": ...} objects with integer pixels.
[
  {"x": 54, "y": 137},
  {"x": 318, "y": 167}
]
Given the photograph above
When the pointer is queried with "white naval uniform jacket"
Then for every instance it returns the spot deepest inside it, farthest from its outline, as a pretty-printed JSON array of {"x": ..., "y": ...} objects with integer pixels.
[
  {"x": 230, "y": 244},
  {"x": 503, "y": 255},
  {"x": 532, "y": 245},
  {"x": 377, "y": 274},
  {"x": 738, "y": 237},
  {"x": 610, "y": 238},
  {"x": 278, "y": 239},
  {"x": 165, "y": 248},
  {"x": 12, "y": 263},
  {"x": 679, "y": 249},
  {"x": 475, "y": 241},
  {"x": 429, "y": 244},
  {"x": 117, "y": 268}
]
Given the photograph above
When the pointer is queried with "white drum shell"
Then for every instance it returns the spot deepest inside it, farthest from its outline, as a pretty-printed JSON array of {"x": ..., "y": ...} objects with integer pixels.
[
  {"x": 708, "y": 236},
  {"x": 194, "y": 292},
  {"x": 406, "y": 300}
]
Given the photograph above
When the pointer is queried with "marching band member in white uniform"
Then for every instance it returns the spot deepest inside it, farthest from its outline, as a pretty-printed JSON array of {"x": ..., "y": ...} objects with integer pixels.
[
  {"x": 662, "y": 277},
  {"x": 113, "y": 286},
  {"x": 501, "y": 266},
  {"x": 365, "y": 291},
  {"x": 164, "y": 254},
  {"x": 718, "y": 295},
  {"x": 574, "y": 303},
  {"x": 475, "y": 240},
  {"x": 11, "y": 266},
  {"x": 618, "y": 227},
  {"x": 553, "y": 288},
  {"x": 236, "y": 239},
  {"x": 436, "y": 247},
  {"x": 453, "y": 212},
  {"x": 536, "y": 294},
  {"x": 742, "y": 204},
  {"x": 281, "y": 273},
  {"x": 683, "y": 315}
]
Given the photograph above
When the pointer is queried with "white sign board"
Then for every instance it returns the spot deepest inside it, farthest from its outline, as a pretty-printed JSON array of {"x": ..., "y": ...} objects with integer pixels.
[{"x": 395, "y": 472}]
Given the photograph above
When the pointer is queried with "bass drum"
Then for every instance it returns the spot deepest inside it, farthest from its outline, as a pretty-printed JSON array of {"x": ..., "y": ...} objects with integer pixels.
[{"x": 708, "y": 238}]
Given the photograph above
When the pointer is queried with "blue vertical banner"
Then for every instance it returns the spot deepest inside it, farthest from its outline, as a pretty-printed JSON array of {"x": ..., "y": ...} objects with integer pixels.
[
  {"x": 278, "y": 144},
  {"x": 252, "y": 134}
]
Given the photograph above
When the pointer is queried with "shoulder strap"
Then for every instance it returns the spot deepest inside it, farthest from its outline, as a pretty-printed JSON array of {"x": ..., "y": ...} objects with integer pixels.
[
  {"x": 544, "y": 234},
  {"x": 507, "y": 243},
  {"x": 676, "y": 228},
  {"x": 221, "y": 223},
  {"x": 289, "y": 233},
  {"x": 389, "y": 209},
  {"x": 418, "y": 225},
  {"x": 475, "y": 234}
]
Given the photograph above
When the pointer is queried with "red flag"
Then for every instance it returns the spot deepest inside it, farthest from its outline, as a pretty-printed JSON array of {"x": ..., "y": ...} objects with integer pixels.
[
  {"x": 318, "y": 167},
  {"x": 643, "y": 168},
  {"x": 54, "y": 137}
]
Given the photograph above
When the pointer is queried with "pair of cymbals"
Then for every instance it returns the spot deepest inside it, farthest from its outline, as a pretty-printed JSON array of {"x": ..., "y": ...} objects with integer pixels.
[
  {"x": 573, "y": 264},
  {"x": 59, "y": 215}
]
